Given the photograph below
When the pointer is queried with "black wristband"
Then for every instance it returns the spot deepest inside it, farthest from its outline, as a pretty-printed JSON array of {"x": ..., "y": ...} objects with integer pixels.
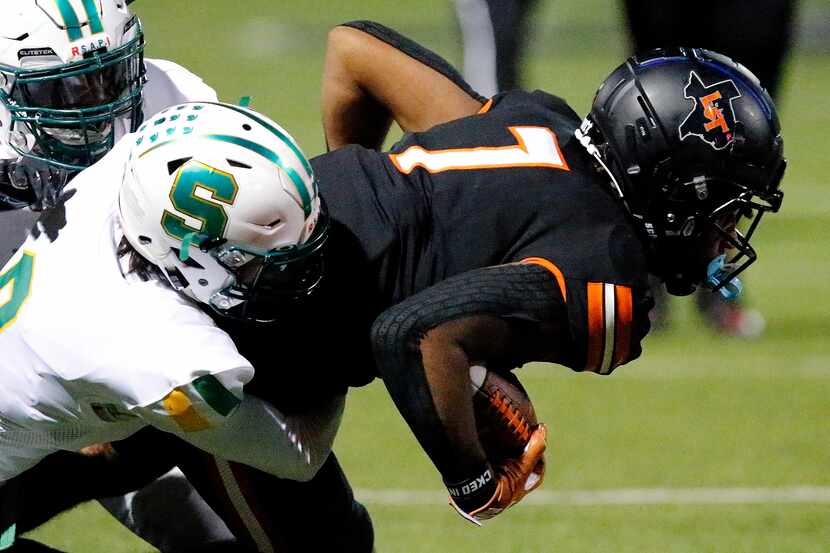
[{"x": 473, "y": 492}]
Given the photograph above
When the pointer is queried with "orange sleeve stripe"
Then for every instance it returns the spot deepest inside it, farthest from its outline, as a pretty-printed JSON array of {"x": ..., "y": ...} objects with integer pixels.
[
  {"x": 486, "y": 107},
  {"x": 560, "y": 278},
  {"x": 623, "y": 327},
  {"x": 596, "y": 326}
]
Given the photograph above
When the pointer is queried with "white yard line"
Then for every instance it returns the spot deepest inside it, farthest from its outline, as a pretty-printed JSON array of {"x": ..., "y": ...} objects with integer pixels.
[{"x": 634, "y": 496}]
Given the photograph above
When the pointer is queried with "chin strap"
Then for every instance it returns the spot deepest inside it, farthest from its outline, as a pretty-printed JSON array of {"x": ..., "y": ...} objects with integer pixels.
[
  {"x": 716, "y": 273},
  {"x": 187, "y": 241},
  {"x": 582, "y": 134}
]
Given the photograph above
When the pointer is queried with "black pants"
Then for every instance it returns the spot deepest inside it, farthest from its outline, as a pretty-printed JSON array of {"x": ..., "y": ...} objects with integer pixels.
[
  {"x": 9, "y": 501},
  {"x": 756, "y": 34},
  {"x": 319, "y": 515}
]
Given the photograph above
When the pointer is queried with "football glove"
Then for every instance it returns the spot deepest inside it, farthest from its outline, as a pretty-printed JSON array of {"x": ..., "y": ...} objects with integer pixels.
[
  {"x": 515, "y": 478},
  {"x": 30, "y": 183}
]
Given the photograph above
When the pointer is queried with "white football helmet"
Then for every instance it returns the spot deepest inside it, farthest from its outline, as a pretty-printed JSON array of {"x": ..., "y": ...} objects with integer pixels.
[
  {"x": 222, "y": 200},
  {"x": 70, "y": 70}
]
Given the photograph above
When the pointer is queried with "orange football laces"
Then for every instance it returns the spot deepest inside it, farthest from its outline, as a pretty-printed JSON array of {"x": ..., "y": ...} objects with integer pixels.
[{"x": 510, "y": 414}]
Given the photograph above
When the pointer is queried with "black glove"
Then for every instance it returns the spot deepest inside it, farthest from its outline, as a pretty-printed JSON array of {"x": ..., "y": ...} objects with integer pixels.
[{"x": 31, "y": 183}]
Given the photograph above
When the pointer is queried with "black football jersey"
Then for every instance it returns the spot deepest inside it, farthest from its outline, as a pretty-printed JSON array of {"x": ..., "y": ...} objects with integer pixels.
[{"x": 508, "y": 185}]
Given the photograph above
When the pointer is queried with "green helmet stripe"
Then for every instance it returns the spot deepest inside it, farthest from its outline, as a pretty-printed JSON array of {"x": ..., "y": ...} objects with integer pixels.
[
  {"x": 296, "y": 179},
  {"x": 95, "y": 24},
  {"x": 274, "y": 158},
  {"x": 279, "y": 134},
  {"x": 70, "y": 19}
]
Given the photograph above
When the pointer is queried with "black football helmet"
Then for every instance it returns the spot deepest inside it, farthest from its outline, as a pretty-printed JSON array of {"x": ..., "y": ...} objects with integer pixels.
[{"x": 690, "y": 139}]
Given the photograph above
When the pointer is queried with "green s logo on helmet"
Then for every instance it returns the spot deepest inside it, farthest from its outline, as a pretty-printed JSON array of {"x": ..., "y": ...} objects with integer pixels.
[{"x": 212, "y": 216}]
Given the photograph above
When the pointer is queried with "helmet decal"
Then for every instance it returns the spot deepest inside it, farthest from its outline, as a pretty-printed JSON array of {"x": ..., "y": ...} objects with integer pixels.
[
  {"x": 35, "y": 53},
  {"x": 211, "y": 216},
  {"x": 712, "y": 118},
  {"x": 74, "y": 24}
]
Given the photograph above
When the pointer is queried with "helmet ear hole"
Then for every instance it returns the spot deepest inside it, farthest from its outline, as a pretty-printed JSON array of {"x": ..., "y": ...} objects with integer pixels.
[
  {"x": 173, "y": 166},
  {"x": 239, "y": 164}
]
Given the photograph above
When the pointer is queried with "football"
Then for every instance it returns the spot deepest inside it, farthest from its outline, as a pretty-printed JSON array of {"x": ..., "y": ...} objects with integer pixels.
[{"x": 505, "y": 417}]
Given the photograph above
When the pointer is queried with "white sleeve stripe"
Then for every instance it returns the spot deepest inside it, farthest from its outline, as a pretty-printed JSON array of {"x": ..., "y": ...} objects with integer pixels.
[
  {"x": 609, "y": 303},
  {"x": 263, "y": 542}
]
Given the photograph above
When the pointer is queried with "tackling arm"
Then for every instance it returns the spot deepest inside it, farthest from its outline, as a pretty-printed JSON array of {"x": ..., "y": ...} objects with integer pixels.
[
  {"x": 424, "y": 346},
  {"x": 373, "y": 75},
  {"x": 219, "y": 419},
  {"x": 258, "y": 435}
]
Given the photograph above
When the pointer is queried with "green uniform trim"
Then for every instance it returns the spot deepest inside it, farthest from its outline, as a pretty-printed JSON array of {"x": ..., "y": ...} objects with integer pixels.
[
  {"x": 19, "y": 278},
  {"x": 70, "y": 20},
  {"x": 216, "y": 395},
  {"x": 7, "y": 537}
]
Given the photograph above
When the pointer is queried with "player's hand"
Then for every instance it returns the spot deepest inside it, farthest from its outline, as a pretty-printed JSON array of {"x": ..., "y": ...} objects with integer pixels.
[
  {"x": 99, "y": 450},
  {"x": 515, "y": 478},
  {"x": 30, "y": 183}
]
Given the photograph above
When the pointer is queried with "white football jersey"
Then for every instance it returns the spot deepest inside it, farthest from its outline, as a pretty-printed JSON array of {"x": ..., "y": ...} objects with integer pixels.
[
  {"x": 168, "y": 84},
  {"x": 87, "y": 355}
]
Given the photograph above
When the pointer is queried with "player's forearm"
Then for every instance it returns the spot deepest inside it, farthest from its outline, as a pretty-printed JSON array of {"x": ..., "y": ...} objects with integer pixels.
[
  {"x": 258, "y": 435},
  {"x": 446, "y": 369},
  {"x": 424, "y": 360},
  {"x": 425, "y": 345},
  {"x": 428, "y": 379}
]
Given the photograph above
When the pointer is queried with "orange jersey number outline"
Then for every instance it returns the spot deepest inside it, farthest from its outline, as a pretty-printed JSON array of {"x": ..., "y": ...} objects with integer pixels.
[{"x": 536, "y": 147}]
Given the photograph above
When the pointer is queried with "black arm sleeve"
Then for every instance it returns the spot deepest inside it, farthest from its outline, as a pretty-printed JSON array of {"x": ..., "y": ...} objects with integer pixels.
[
  {"x": 415, "y": 51},
  {"x": 532, "y": 325}
]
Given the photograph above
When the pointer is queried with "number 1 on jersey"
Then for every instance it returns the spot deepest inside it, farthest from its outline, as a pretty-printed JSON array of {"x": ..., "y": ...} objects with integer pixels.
[{"x": 536, "y": 147}]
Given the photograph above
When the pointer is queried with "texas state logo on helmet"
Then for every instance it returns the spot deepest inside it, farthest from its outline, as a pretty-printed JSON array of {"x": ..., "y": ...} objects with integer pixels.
[
  {"x": 223, "y": 201},
  {"x": 69, "y": 71},
  {"x": 712, "y": 118}
]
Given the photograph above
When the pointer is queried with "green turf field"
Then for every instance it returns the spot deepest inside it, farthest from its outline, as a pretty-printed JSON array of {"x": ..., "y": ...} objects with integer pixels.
[{"x": 698, "y": 412}]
